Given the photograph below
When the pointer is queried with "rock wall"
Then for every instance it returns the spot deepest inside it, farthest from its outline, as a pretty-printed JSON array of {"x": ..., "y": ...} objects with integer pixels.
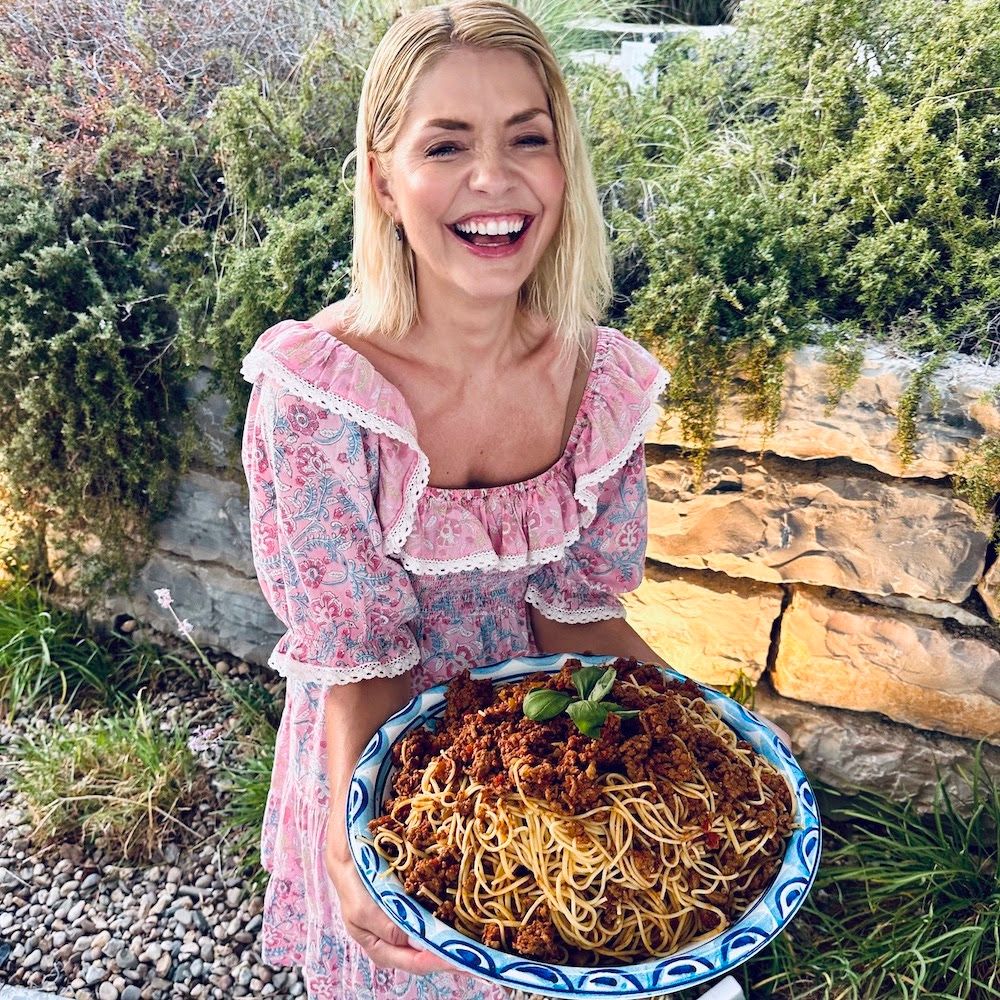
[
  {"x": 861, "y": 595},
  {"x": 871, "y": 591}
]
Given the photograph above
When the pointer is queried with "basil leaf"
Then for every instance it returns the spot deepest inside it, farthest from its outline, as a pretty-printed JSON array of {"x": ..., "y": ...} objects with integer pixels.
[
  {"x": 542, "y": 704},
  {"x": 604, "y": 684},
  {"x": 589, "y": 716},
  {"x": 624, "y": 713},
  {"x": 585, "y": 678}
]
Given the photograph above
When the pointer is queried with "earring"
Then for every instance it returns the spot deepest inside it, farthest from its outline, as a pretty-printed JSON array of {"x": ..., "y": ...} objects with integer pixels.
[{"x": 399, "y": 233}]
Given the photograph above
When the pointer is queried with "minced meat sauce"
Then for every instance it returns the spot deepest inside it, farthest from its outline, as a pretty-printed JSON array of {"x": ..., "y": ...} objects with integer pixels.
[{"x": 483, "y": 732}]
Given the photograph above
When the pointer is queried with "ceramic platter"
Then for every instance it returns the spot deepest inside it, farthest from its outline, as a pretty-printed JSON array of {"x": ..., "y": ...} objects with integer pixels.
[{"x": 706, "y": 960}]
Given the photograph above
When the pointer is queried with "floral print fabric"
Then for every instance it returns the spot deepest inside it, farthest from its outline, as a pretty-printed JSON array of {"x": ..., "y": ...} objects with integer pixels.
[{"x": 375, "y": 573}]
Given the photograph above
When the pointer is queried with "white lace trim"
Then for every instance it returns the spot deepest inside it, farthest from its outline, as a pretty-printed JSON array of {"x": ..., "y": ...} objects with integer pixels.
[
  {"x": 488, "y": 559},
  {"x": 257, "y": 362},
  {"x": 309, "y": 672},
  {"x": 571, "y": 617},
  {"x": 584, "y": 492}
]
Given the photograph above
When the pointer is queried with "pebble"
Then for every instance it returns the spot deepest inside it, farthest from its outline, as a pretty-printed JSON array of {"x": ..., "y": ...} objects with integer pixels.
[{"x": 85, "y": 924}]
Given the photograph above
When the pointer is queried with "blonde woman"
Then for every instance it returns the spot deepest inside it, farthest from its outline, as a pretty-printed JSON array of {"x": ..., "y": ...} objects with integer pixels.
[{"x": 446, "y": 468}]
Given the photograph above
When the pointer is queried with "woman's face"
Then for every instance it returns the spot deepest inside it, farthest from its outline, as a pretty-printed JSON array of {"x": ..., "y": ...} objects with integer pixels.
[{"x": 476, "y": 150}]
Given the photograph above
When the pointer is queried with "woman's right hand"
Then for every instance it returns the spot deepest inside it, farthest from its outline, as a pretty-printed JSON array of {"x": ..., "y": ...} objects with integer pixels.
[{"x": 384, "y": 943}]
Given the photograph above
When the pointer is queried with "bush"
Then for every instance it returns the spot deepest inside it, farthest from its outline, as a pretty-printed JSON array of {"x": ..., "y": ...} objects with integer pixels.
[{"x": 828, "y": 167}]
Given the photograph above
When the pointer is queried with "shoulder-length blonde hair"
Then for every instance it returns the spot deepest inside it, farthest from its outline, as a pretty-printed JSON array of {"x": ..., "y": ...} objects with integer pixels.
[{"x": 571, "y": 285}]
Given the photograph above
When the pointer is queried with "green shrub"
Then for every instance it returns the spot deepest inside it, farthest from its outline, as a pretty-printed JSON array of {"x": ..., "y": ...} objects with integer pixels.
[
  {"x": 96, "y": 190},
  {"x": 829, "y": 165},
  {"x": 977, "y": 480}
]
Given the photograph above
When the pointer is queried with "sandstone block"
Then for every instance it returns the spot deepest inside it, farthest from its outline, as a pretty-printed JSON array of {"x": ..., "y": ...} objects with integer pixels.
[
  {"x": 705, "y": 625},
  {"x": 989, "y": 590},
  {"x": 863, "y": 427},
  {"x": 837, "y": 652},
  {"x": 209, "y": 522},
  {"x": 856, "y": 751},
  {"x": 776, "y": 520}
]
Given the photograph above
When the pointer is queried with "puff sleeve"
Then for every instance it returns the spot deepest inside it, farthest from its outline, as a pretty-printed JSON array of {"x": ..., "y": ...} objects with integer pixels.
[
  {"x": 608, "y": 558},
  {"x": 317, "y": 543}
]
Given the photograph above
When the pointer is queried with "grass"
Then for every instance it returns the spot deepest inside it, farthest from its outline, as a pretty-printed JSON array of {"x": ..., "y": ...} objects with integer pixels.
[
  {"x": 905, "y": 905},
  {"x": 115, "y": 781},
  {"x": 47, "y": 657},
  {"x": 246, "y": 785}
]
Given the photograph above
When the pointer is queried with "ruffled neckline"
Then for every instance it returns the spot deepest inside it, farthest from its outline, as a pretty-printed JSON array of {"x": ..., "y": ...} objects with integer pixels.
[{"x": 437, "y": 530}]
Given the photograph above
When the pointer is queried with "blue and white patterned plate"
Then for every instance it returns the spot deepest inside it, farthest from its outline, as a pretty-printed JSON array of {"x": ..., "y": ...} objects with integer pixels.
[{"x": 703, "y": 961}]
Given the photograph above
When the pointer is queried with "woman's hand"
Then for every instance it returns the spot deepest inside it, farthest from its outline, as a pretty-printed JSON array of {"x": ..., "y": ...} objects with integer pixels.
[{"x": 384, "y": 943}]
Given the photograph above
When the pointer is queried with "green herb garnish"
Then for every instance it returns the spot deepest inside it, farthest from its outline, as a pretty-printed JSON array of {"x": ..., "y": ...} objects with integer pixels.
[{"x": 588, "y": 711}]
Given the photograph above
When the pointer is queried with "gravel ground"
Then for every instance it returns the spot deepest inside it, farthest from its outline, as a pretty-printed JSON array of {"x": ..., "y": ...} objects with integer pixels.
[{"x": 77, "y": 922}]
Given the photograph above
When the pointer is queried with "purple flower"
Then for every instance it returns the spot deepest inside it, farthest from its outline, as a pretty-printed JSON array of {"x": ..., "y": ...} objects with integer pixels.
[
  {"x": 204, "y": 738},
  {"x": 163, "y": 597}
]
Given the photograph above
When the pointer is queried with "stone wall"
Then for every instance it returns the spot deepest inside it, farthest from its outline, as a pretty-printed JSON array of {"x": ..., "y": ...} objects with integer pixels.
[{"x": 862, "y": 596}]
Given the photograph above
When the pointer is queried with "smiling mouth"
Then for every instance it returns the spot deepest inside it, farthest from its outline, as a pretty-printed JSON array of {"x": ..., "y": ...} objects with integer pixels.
[{"x": 477, "y": 239}]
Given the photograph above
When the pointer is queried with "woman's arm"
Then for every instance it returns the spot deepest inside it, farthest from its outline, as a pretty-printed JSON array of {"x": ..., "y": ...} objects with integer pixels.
[
  {"x": 612, "y": 638},
  {"x": 353, "y": 713}
]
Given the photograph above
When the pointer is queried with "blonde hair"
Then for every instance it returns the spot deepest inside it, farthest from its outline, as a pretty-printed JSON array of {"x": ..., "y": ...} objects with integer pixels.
[{"x": 571, "y": 284}]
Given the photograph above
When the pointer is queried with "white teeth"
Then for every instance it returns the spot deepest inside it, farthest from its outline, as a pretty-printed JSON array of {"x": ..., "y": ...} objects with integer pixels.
[{"x": 492, "y": 227}]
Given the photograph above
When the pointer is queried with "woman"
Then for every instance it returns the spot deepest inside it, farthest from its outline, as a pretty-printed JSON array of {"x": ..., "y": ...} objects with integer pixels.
[{"x": 446, "y": 468}]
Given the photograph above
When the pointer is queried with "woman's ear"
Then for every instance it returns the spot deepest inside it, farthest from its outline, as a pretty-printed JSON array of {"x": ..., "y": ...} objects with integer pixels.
[{"x": 380, "y": 185}]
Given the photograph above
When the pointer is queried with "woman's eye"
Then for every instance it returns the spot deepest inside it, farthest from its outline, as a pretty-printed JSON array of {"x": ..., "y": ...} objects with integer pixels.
[{"x": 526, "y": 140}]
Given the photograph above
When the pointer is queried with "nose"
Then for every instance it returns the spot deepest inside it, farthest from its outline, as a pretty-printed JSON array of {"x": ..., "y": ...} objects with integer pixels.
[{"x": 492, "y": 171}]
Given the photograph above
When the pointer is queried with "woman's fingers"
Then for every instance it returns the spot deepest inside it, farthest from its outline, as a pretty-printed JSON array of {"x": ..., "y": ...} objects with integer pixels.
[
  {"x": 387, "y": 946},
  {"x": 417, "y": 963},
  {"x": 384, "y": 943}
]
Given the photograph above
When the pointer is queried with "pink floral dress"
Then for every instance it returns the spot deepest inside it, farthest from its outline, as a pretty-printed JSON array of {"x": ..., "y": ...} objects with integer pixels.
[{"x": 374, "y": 573}]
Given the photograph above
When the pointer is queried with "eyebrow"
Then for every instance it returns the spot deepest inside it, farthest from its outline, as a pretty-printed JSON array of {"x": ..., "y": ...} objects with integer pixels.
[{"x": 454, "y": 125}]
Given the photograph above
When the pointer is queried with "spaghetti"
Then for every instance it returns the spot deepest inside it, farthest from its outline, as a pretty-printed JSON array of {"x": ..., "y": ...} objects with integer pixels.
[{"x": 541, "y": 841}]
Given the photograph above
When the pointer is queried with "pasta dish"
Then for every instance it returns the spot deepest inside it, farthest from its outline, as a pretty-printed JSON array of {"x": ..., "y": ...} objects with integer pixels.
[{"x": 594, "y": 816}]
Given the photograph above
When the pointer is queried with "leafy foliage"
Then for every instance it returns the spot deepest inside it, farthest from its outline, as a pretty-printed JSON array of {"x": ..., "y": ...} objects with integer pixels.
[
  {"x": 828, "y": 166},
  {"x": 91, "y": 414},
  {"x": 977, "y": 480}
]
